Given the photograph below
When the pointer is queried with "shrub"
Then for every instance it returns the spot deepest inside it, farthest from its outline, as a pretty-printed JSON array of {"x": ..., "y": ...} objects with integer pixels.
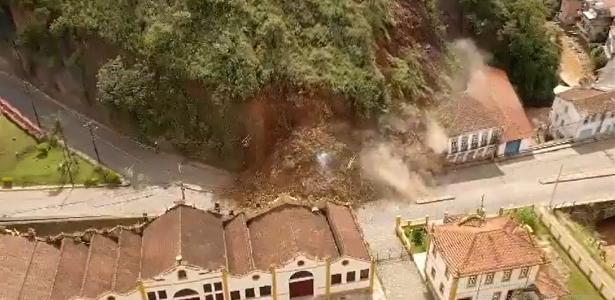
[
  {"x": 90, "y": 182},
  {"x": 7, "y": 182},
  {"x": 527, "y": 216},
  {"x": 417, "y": 236},
  {"x": 43, "y": 150},
  {"x": 598, "y": 57},
  {"x": 112, "y": 178}
]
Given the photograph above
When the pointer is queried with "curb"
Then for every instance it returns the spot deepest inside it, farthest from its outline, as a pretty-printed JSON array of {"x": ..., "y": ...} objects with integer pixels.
[
  {"x": 576, "y": 177},
  {"x": 435, "y": 199},
  {"x": 67, "y": 186}
]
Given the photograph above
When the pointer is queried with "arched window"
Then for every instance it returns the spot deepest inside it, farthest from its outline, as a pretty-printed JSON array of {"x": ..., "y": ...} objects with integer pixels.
[
  {"x": 186, "y": 294},
  {"x": 110, "y": 298},
  {"x": 181, "y": 275},
  {"x": 301, "y": 274}
]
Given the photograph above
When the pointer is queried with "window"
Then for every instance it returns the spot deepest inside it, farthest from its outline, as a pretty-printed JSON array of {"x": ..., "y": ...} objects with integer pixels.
[
  {"x": 212, "y": 290},
  {"x": 464, "y": 143},
  {"x": 474, "y": 144},
  {"x": 110, "y": 298},
  {"x": 209, "y": 297},
  {"x": 507, "y": 274},
  {"x": 496, "y": 296},
  {"x": 446, "y": 273},
  {"x": 364, "y": 275},
  {"x": 218, "y": 286},
  {"x": 433, "y": 272},
  {"x": 181, "y": 275},
  {"x": 489, "y": 278},
  {"x": 219, "y": 296},
  {"x": 350, "y": 276},
  {"x": 472, "y": 281},
  {"x": 235, "y": 295},
  {"x": 265, "y": 290},
  {"x": 300, "y": 263},
  {"x": 454, "y": 146},
  {"x": 495, "y": 136},
  {"x": 585, "y": 120},
  {"x": 256, "y": 277},
  {"x": 162, "y": 294},
  {"x": 207, "y": 288},
  {"x": 151, "y": 296},
  {"x": 336, "y": 279},
  {"x": 250, "y": 293},
  {"x": 345, "y": 262},
  {"x": 483, "y": 140},
  {"x": 441, "y": 288},
  {"x": 524, "y": 272}
]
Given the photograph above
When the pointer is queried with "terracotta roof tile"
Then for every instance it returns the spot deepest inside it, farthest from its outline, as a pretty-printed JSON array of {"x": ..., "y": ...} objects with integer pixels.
[
  {"x": 100, "y": 266},
  {"x": 128, "y": 262},
  {"x": 160, "y": 244},
  {"x": 491, "y": 87},
  {"x": 70, "y": 270},
  {"x": 283, "y": 232},
  {"x": 590, "y": 101},
  {"x": 346, "y": 231},
  {"x": 41, "y": 272},
  {"x": 238, "y": 245},
  {"x": 548, "y": 286},
  {"x": 202, "y": 239},
  {"x": 463, "y": 114},
  {"x": 475, "y": 246},
  {"x": 15, "y": 255}
]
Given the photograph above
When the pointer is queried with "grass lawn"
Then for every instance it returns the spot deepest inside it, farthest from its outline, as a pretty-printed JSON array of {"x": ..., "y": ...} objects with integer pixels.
[
  {"x": 417, "y": 247},
  {"x": 29, "y": 168}
]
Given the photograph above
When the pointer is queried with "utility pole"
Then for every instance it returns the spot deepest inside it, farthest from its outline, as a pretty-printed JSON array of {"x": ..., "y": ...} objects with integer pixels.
[
  {"x": 29, "y": 92},
  {"x": 559, "y": 174},
  {"x": 89, "y": 125},
  {"x": 66, "y": 152}
]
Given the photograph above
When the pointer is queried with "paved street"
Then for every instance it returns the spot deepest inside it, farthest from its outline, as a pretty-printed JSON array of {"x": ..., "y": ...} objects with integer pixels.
[{"x": 139, "y": 163}]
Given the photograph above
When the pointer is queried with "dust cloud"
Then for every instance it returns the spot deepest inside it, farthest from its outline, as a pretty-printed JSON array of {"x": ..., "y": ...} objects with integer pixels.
[{"x": 469, "y": 59}]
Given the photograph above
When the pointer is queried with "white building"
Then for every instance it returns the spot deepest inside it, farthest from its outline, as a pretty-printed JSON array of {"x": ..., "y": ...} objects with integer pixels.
[
  {"x": 486, "y": 120},
  {"x": 580, "y": 113},
  {"x": 287, "y": 252},
  {"x": 480, "y": 258}
]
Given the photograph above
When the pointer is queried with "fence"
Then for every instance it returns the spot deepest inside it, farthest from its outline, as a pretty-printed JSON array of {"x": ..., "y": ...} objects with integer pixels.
[{"x": 590, "y": 268}]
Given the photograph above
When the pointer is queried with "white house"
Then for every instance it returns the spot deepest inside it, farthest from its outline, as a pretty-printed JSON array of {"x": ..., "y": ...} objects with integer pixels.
[
  {"x": 479, "y": 258},
  {"x": 580, "y": 113},
  {"x": 486, "y": 120},
  {"x": 287, "y": 252}
]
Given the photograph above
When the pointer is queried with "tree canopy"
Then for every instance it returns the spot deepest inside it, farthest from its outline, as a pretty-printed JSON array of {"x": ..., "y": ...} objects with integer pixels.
[{"x": 515, "y": 32}]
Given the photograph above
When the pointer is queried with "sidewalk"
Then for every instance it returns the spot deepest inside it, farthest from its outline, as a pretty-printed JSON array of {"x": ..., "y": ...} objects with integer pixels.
[{"x": 601, "y": 280}]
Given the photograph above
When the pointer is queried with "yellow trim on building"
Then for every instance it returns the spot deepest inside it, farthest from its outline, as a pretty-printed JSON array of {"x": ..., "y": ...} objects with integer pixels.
[
  {"x": 141, "y": 289},
  {"x": 453, "y": 292},
  {"x": 274, "y": 284},
  {"x": 372, "y": 276},
  {"x": 328, "y": 279},
  {"x": 227, "y": 293}
]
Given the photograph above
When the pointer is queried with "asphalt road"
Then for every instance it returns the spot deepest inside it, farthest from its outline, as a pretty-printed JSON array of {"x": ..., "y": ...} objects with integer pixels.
[{"x": 139, "y": 163}]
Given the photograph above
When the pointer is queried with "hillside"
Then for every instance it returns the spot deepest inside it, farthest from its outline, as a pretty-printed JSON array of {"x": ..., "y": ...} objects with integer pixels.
[{"x": 229, "y": 82}]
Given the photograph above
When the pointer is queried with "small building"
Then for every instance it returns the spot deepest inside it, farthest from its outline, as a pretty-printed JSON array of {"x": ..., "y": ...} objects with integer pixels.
[
  {"x": 582, "y": 112},
  {"x": 287, "y": 252},
  {"x": 569, "y": 11},
  {"x": 485, "y": 120},
  {"x": 596, "y": 19},
  {"x": 477, "y": 258}
]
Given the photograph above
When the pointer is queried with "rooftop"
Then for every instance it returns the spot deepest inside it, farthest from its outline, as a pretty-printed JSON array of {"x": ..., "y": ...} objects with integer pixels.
[
  {"x": 590, "y": 100},
  {"x": 477, "y": 245},
  {"x": 96, "y": 261}
]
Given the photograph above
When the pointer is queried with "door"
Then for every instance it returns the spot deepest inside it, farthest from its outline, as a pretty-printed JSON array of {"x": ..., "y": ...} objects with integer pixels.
[
  {"x": 301, "y": 284},
  {"x": 512, "y": 147}
]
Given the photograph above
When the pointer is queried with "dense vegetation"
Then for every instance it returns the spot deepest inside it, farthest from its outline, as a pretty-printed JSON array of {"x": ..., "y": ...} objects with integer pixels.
[{"x": 515, "y": 32}]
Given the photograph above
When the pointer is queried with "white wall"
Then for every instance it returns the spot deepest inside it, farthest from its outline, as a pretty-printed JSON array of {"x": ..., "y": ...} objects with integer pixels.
[
  {"x": 461, "y": 156},
  {"x": 564, "y": 121},
  {"x": 338, "y": 267},
  {"x": 440, "y": 266},
  {"x": 196, "y": 278},
  {"x": 482, "y": 291}
]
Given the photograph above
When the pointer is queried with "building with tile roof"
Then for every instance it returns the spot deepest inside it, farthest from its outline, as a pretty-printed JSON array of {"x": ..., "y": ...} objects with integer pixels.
[
  {"x": 482, "y": 258},
  {"x": 285, "y": 252},
  {"x": 582, "y": 112},
  {"x": 485, "y": 120},
  {"x": 595, "y": 18}
]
